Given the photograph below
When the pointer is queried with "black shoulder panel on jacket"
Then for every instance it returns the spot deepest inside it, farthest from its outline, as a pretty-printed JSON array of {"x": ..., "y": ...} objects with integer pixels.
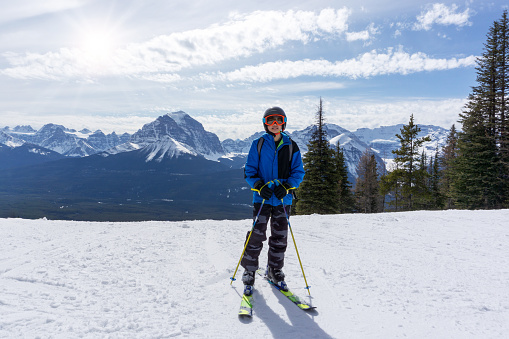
[{"x": 284, "y": 165}]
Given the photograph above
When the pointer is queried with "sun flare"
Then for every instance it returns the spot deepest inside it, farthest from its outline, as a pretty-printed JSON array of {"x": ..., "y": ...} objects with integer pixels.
[{"x": 97, "y": 46}]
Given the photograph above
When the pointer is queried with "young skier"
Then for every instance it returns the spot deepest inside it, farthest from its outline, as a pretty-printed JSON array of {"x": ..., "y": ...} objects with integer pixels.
[{"x": 273, "y": 168}]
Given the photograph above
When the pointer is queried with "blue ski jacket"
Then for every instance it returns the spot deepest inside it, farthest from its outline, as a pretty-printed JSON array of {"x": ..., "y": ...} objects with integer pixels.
[{"x": 273, "y": 165}]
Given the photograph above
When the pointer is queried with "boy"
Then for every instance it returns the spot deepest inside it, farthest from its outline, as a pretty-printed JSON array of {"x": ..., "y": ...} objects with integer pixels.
[{"x": 273, "y": 168}]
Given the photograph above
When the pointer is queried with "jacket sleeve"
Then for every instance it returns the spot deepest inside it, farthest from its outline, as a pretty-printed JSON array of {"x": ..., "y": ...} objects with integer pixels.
[
  {"x": 297, "y": 169},
  {"x": 251, "y": 173}
]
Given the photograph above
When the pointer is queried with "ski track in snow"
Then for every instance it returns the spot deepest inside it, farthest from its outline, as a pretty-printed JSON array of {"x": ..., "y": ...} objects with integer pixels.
[{"x": 418, "y": 274}]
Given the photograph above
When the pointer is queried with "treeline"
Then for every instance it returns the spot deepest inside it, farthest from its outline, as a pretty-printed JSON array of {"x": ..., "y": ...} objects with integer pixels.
[{"x": 470, "y": 172}]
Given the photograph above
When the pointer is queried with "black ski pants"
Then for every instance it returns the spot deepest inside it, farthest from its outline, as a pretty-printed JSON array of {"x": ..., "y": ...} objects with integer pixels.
[{"x": 277, "y": 240}]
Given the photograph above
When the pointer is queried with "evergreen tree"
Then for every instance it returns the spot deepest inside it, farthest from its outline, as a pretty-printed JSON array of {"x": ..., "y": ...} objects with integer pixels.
[
  {"x": 367, "y": 185},
  {"x": 318, "y": 191},
  {"x": 407, "y": 179},
  {"x": 346, "y": 203},
  {"x": 480, "y": 177},
  {"x": 475, "y": 177},
  {"x": 390, "y": 188},
  {"x": 448, "y": 155},
  {"x": 422, "y": 183},
  {"x": 503, "y": 100},
  {"x": 437, "y": 199}
]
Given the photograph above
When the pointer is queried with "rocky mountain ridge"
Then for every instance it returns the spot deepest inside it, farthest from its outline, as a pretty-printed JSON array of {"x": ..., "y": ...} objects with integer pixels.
[{"x": 177, "y": 133}]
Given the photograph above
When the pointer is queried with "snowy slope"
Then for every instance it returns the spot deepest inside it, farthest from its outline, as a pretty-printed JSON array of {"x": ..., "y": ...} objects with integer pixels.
[
  {"x": 415, "y": 274},
  {"x": 9, "y": 140},
  {"x": 166, "y": 147}
]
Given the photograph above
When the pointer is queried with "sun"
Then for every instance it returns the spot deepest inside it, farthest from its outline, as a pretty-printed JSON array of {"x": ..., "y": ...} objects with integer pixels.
[{"x": 97, "y": 46}]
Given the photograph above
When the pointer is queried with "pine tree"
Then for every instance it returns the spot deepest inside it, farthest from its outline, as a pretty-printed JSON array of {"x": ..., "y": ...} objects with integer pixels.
[
  {"x": 318, "y": 191},
  {"x": 475, "y": 171},
  {"x": 437, "y": 199},
  {"x": 406, "y": 180},
  {"x": 480, "y": 178},
  {"x": 503, "y": 100},
  {"x": 446, "y": 161},
  {"x": 390, "y": 188},
  {"x": 346, "y": 202},
  {"x": 367, "y": 185},
  {"x": 422, "y": 184}
]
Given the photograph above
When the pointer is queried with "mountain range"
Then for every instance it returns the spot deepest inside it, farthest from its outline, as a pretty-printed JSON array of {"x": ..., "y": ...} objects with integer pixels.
[{"x": 171, "y": 166}]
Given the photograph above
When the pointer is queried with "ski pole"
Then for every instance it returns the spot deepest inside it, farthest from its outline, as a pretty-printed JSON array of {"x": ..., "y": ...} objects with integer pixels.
[
  {"x": 247, "y": 241},
  {"x": 295, "y": 244}
]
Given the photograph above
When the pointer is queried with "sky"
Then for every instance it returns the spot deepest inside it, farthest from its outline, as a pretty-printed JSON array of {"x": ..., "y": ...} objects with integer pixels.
[{"x": 116, "y": 65}]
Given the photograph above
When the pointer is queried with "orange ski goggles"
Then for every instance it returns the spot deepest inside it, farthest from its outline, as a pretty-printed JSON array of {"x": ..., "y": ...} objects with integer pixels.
[{"x": 274, "y": 119}]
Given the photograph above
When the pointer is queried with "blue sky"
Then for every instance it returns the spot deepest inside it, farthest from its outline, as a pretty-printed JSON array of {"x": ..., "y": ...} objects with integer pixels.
[{"x": 116, "y": 65}]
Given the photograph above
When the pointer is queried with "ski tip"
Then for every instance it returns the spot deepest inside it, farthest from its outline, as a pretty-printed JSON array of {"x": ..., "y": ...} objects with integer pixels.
[
  {"x": 245, "y": 314},
  {"x": 246, "y": 306}
]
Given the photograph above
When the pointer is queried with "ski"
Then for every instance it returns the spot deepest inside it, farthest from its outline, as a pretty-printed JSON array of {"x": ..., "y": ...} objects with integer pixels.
[
  {"x": 246, "y": 306},
  {"x": 303, "y": 305}
]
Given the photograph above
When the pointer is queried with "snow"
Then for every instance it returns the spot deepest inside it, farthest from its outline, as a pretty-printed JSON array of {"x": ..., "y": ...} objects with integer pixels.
[
  {"x": 80, "y": 134},
  {"x": 381, "y": 141},
  {"x": 14, "y": 143},
  {"x": 418, "y": 274},
  {"x": 126, "y": 147},
  {"x": 390, "y": 164},
  {"x": 232, "y": 155},
  {"x": 214, "y": 156},
  {"x": 38, "y": 151},
  {"x": 346, "y": 141},
  {"x": 166, "y": 147},
  {"x": 179, "y": 117}
]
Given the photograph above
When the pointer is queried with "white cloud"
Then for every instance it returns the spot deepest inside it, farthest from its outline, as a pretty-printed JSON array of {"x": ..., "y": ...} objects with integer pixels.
[
  {"x": 442, "y": 15},
  {"x": 22, "y": 9},
  {"x": 241, "y": 36},
  {"x": 353, "y": 115},
  {"x": 161, "y": 59},
  {"x": 304, "y": 87},
  {"x": 348, "y": 114},
  {"x": 354, "y": 36},
  {"x": 164, "y": 78},
  {"x": 364, "y": 66},
  {"x": 112, "y": 123},
  {"x": 366, "y": 34}
]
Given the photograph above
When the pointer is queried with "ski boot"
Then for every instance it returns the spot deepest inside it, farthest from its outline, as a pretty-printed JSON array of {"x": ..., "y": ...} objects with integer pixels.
[
  {"x": 277, "y": 276},
  {"x": 248, "y": 278}
]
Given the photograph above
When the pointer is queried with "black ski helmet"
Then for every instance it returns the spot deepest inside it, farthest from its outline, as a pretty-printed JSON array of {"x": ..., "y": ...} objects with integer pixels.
[{"x": 271, "y": 111}]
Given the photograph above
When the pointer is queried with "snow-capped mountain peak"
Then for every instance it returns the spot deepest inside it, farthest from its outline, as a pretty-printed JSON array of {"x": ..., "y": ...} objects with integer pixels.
[
  {"x": 61, "y": 139},
  {"x": 176, "y": 133},
  {"x": 352, "y": 146},
  {"x": 166, "y": 147},
  {"x": 383, "y": 139},
  {"x": 179, "y": 117},
  {"x": 24, "y": 129},
  {"x": 183, "y": 128},
  {"x": 9, "y": 140}
]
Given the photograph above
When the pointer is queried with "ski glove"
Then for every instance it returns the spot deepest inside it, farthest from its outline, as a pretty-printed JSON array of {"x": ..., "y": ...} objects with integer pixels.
[
  {"x": 281, "y": 191},
  {"x": 263, "y": 189}
]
